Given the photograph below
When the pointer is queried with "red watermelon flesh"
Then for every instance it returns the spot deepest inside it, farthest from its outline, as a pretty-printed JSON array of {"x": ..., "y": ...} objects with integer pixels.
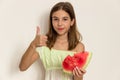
[{"x": 79, "y": 60}]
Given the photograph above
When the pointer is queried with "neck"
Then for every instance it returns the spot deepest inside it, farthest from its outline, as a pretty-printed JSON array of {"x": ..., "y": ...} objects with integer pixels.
[{"x": 62, "y": 38}]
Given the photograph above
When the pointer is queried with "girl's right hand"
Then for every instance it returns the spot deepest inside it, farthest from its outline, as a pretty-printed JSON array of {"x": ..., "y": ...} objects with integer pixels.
[{"x": 40, "y": 40}]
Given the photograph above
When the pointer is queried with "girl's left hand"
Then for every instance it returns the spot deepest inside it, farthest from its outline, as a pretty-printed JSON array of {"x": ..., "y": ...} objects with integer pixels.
[{"x": 78, "y": 72}]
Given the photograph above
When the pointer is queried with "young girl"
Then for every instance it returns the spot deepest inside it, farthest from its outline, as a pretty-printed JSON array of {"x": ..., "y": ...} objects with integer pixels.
[{"x": 61, "y": 40}]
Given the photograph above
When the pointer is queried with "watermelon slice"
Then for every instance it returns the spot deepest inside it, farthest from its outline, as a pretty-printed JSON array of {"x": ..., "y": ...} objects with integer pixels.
[{"x": 79, "y": 60}]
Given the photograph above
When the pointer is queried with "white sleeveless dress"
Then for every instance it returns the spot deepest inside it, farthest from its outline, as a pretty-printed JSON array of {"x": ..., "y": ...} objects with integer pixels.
[{"x": 52, "y": 62}]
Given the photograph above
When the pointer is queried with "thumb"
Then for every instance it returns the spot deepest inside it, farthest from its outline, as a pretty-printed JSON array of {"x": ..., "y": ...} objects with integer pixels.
[{"x": 37, "y": 30}]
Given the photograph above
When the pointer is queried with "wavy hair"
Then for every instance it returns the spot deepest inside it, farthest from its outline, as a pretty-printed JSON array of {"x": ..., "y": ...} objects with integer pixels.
[{"x": 74, "y": 37}]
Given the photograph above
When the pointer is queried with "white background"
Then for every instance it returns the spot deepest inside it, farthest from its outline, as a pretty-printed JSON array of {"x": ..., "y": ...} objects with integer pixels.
[{"x": 97, "y": 20}]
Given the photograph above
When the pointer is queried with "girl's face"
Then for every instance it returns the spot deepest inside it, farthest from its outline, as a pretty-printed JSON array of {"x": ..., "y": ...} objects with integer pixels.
[{"x": 61, "y": 22}]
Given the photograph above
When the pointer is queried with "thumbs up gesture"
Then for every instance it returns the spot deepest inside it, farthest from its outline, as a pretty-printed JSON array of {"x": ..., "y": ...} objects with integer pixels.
[{"x": 40, "y": 40}]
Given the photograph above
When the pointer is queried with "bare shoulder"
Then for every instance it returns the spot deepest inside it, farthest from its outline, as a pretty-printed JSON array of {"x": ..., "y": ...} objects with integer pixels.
[{"x": 80, "y": 47}]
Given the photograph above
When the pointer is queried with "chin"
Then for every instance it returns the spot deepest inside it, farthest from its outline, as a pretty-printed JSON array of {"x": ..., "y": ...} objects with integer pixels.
[{"x": 61, "y": 34}]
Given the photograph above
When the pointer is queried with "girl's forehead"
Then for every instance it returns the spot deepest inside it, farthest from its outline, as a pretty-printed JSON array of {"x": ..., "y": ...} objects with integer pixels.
[{"x": 60, "y": 13}]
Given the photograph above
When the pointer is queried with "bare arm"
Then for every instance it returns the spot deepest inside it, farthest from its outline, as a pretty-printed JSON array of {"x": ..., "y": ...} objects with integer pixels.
[
  {"x": 28, "y": 58},
  {"x": 30, "y": 55}
]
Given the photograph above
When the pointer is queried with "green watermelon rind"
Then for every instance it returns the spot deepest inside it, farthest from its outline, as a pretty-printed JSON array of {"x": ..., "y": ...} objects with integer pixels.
[
  {"x": 67, "y": 72},
  {"x": 88, "y": 60},
  {"x": 84, "y": 67}
]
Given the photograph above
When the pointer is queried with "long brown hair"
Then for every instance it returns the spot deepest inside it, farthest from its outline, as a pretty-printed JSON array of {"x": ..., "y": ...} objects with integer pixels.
[{"x": 74, "y": 36}]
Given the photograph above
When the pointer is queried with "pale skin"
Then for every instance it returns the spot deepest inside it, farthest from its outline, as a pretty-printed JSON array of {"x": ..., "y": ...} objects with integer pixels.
[{"x": 61, "y": 23}]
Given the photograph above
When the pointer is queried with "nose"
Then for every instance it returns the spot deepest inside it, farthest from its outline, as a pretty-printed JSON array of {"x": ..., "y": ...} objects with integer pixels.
[{"x": 60, "y": 22}]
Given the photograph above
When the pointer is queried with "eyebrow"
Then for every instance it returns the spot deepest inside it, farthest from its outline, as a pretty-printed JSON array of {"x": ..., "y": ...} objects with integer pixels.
[
  {"x": 54, "y": 17},
  {"x": 57, "y": 17}
]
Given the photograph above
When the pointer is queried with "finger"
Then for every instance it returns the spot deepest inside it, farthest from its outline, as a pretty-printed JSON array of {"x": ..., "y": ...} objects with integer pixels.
[
  {"x": 38, "y": 45},
  {"x": 43, "y": 38},
  {"x": 83, "y": 70},
  {"x": 44, "y": 44},
  {"x": 74, "y": 72},
  {"x": 78, "y": 71},
  {"x": 41, "y": 44},
  {"x": 38, "y": 30}
]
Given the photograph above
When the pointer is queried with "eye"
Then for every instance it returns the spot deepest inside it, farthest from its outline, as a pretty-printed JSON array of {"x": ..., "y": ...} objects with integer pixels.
[
  {"x": 55, "y": 19},
  {"x": 65, "y": 19}
]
